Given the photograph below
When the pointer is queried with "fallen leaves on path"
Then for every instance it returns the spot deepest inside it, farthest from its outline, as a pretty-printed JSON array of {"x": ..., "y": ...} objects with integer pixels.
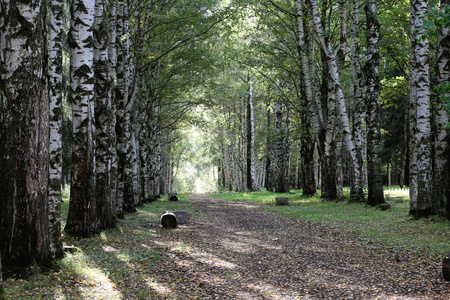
[{"x": 234, "y": 250}]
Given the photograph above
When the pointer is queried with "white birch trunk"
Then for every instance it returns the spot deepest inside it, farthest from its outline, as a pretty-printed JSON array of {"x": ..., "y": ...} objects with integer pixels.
[
  {"x": 375, "y": 179},
  {"x": 103, "y": 116},
  {"x": 55, "y": 93},
  {"x": 357, "y": 192},
  {"x": 425, "y": 203},
  {"x": 82, "y": 216},
  {"x": 358, "y": 115},
  {"x": 252, "y": 184},
  {"x": 112, "y": 24}
]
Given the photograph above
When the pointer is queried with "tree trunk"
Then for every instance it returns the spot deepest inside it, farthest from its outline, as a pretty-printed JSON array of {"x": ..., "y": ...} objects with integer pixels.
[
  {"x": 441, "y": 143},
  {"x": 426, "y": 204},
  {"x": 356, "y": 185},
  {"x": 24, "y": 135},
  {"x": 287, "y": 150},
  {"x": 125, "y": 197},
  {"x": 55, "y": 91},
  {"x": 82, "y": 217},
  {"x": 307, "y": 145},
  {"x": 251, "y": 172},
  {"x": 279, "y": 152},
  {"x": 103, "y": 116},
  {"x": 268, "y": 181},
  {"x": 357, "y": 129},
  {"x": 375, "y": 178},
  {"x": 112, "y": 24}
]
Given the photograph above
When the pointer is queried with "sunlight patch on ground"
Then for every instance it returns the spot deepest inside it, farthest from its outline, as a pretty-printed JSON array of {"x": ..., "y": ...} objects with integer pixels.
[
  {"x": 159, "y": 288},
  {"x": 235, "y": 246},
  {"x": 96, "y": 279},
  {"x": 208, "y": 258}
]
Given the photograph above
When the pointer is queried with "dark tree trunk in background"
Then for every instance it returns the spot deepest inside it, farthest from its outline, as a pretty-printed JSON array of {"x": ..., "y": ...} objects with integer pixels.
[{"x": 24, "y": 135}]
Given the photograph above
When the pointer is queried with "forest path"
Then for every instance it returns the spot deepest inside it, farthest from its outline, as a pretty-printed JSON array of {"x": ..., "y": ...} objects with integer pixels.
[{"x": 234, "y": 250}]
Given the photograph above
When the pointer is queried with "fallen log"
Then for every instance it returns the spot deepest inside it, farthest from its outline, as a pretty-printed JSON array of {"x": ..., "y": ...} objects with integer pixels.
[
  {"x": 169, "y": 220},
  {"x": 280, "y": 201}
]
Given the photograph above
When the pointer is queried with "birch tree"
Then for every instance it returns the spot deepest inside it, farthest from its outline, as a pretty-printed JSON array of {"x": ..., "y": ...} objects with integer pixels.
[
  {"x": 104, "y": 194},
  {"x": 82, "y": 216},
  {"x": 251, "y": 172},
  {"x": 125, "y": 197},
  {"x": 441, "y": 141},
  {"x": 357, "y": 129},
  {"x": 55, "y": 55},
  {"x": 356, "y": 185},
  {"x": 24, "y": 132},
  {"x": 371, "y": 68},
  {"x": 426, "y": 204}
]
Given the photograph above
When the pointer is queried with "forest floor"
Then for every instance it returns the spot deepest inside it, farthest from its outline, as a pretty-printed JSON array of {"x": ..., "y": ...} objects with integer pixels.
[{"x": 233, "y": 250}]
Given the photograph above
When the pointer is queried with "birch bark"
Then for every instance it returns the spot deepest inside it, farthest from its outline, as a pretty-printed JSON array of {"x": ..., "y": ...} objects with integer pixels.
[
  {"x": 251, "y": 172},
  {"x": 375, "y": 179},
  {"x": 425, "y": 203},
  {"x": 357, "y": 129},
  {"x": 103, "y": 116},
  {"x": 307, "y": 145},
  {"x": 441, "y": 142},
  {"x": 55, "y": 92},
  {"x": 24, "y": 135},
  {"x": 82, "y": 217},
  {"x": 356, "y": 185},
  {"x": 279, "y": 149},
  {"x": 125, "y": 197}
]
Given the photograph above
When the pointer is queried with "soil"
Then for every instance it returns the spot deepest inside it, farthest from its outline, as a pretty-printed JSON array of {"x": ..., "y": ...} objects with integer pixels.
[{"x": 235, "y": 250}]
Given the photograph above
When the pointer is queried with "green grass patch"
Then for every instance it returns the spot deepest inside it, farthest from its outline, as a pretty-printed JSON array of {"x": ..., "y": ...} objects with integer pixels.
[
  {"x": 118, "y": 263},
  {"x": 393, "y": 228}
]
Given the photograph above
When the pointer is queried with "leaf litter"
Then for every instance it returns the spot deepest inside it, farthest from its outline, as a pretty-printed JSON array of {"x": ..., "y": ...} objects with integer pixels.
[{"x": 234, "y": 250}]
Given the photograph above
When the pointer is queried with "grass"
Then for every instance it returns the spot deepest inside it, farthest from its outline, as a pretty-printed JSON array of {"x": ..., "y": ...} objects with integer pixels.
[
  {"x": 393, "y": 228},
  {"x": 115, "y": 264}
]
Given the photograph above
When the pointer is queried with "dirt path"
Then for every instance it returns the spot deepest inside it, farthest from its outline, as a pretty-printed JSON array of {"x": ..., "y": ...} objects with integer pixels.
[{"x": 234, "y": 250}]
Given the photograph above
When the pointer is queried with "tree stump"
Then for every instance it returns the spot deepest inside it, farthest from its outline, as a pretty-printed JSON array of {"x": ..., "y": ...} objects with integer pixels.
[
  {"x": 173, "y": 196},
  {"x": 169, "y": 220},
  {"x": 281, "y": 201},
  {"x": 446, "y": 267}
]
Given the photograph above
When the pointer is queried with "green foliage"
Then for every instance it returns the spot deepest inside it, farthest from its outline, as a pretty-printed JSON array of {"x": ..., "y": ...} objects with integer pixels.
[{"x": 392, "y": 228}]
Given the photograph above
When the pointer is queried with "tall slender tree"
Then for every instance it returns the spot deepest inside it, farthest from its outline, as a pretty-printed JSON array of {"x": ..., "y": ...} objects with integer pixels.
[
  {"x": 82, "y": 216},
  {"x": 252, "y": 184},
  {"x": 24, "y": 132},
  {"x": 375, "y": 180},
  {"x": 426, "y": 203},
  {"x": 441, "y": 177},
  {"x": 55, "y": 55},
  {"x": 356, "y": 184},
  {"x": 104, "y": 195}
]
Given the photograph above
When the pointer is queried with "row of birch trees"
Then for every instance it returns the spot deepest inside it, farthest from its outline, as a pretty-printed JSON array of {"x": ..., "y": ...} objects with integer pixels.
[
  {"x": 131, "y": 65},
  {"x": 317, "y": 100}
]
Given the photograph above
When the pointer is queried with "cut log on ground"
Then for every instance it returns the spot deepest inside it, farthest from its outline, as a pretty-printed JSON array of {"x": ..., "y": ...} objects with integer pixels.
[
  {"x": 280, "y": 201},
  {"x": 173, "y": 196},
  {"x": 446, "y": 267},
  {"x": 169, "y": 220},
  {"x": 181, "y": 216}
]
